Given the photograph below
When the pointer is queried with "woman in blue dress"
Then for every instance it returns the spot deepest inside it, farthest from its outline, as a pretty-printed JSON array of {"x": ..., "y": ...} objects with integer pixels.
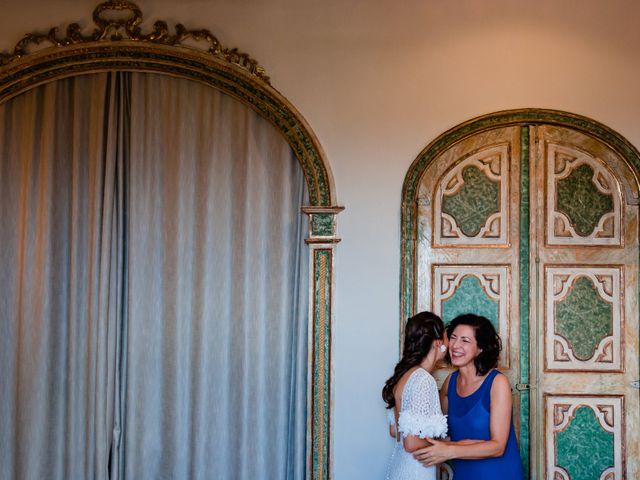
[{"x": 477, "y": 399}]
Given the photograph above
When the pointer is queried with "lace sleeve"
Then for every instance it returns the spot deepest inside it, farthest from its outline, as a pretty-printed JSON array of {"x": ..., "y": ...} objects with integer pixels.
[{"x": 421, "y": 414}]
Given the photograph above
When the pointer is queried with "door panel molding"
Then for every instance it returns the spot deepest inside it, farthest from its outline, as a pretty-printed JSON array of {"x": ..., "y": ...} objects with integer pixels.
[
  {"x": 571, "y": 172},
  {"x": 571, "y": 419},
  {"x": 568, "y": 288}
]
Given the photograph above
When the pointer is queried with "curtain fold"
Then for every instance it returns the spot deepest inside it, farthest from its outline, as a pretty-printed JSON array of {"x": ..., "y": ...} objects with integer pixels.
[
  {"x": 153, "y": 322},
  {"x": 216, "y": 333},
  {"x": 118, "y": 147},
  {"x": 58, "y": 315}
]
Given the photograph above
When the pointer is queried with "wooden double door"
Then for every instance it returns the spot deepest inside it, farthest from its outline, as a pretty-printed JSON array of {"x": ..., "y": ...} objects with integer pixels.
[{"x": 536, "y": 227}]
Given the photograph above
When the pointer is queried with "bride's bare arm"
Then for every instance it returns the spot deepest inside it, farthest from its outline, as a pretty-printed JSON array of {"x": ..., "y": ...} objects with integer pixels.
[{"x": 413, "y": 443}]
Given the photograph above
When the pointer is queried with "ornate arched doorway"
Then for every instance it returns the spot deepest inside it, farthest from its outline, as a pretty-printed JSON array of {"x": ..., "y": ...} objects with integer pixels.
[{"x": 530, "y": 217}]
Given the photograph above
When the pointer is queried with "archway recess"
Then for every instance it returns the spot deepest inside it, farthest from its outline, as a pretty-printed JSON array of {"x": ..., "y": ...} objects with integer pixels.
[{"x": 117, "y": 42}]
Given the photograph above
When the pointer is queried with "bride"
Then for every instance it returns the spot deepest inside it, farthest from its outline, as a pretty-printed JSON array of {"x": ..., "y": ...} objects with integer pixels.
[{"x": 411, "y": 395}]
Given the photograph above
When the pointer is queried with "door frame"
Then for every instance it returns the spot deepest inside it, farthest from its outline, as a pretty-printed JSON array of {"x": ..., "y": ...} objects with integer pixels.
[{"x": 409, "y": 214}]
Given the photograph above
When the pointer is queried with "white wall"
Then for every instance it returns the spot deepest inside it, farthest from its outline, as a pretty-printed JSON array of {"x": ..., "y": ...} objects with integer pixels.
[{"x": 378, "y": 80}]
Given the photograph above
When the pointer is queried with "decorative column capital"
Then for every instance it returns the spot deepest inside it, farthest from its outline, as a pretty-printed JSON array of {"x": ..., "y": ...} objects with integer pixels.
[{"x": 322, "y": 224}]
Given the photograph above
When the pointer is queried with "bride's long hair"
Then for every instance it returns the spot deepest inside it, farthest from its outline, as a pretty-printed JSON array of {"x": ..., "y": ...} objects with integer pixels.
[{"x": 419, "y": 334}]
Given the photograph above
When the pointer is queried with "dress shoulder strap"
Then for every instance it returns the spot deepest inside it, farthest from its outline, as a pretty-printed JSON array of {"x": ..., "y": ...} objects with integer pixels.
[{"x": 486, "y": 387}]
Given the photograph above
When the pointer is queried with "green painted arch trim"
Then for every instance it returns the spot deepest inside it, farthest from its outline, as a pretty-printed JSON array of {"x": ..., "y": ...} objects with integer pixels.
[
  {"x": 54, "y": 63},
  {"x": 526, "y": 116}
]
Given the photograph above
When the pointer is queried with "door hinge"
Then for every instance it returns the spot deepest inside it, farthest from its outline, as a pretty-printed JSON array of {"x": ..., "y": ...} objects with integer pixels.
[
  {"x": 524, "y": 386},
  {"x": 635, "y": 384}
]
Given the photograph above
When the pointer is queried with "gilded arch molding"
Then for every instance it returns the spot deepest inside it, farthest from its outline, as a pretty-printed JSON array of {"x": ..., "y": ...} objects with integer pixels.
[{"x": 118, "y": 42}]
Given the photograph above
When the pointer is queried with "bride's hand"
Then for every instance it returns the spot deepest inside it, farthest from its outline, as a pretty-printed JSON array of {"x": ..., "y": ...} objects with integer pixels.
[{"x": 437, "y": 452}]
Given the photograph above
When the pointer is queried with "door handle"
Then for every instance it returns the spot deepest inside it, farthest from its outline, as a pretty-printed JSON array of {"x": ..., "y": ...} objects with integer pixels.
[
  {"x": 635, "y": 384},
  {"x": 524, "y": 386}
]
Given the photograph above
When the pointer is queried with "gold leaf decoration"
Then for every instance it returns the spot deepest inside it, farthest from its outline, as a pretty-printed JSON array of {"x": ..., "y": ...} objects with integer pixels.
[{"x": 111, "y": 25}]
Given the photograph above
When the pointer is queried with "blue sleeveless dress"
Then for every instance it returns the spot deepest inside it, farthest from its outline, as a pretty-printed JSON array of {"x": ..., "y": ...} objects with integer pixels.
[{"x": 468, "y": 419}]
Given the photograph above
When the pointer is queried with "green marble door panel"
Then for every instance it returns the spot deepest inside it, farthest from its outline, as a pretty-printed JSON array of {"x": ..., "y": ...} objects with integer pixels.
[
  {"x": 474, "y": 203},
  {"x": 581, "y": 201},
  {"x": 470, "y": 297},
  {"x": 584, "y": 448},
  {"x": 584, "y": 318}
]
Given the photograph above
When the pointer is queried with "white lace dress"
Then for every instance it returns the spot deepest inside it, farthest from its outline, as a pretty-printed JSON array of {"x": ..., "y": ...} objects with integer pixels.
[{"x": 420, "y": 415}]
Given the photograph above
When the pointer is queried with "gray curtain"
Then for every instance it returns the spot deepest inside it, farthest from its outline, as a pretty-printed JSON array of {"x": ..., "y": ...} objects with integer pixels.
[
  {"x": 59, "y": 311},
  {"x": 155, "y": 317}
]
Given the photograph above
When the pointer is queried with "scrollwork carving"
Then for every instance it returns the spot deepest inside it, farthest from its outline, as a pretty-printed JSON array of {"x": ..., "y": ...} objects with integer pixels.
[
  {"x": 112, "y": 26},
  {"x": 579, "y": 300}
]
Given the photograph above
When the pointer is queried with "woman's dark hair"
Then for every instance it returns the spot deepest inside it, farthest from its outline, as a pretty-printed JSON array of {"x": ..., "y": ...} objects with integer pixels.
[
  {"x": 486, "y": 336},
  {"x": 419, "y": 333}
]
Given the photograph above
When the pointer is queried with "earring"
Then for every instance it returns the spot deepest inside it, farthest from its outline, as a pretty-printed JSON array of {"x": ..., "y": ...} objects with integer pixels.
[{"x": 443, "y": 348}]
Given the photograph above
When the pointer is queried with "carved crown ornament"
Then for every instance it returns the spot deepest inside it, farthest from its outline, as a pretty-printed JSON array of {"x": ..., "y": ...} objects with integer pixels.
[{"x": 112, "y": 25}]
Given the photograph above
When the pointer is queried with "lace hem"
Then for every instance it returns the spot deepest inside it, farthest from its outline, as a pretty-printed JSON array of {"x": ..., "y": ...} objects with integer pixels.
[{"x": 434, "y": 426}]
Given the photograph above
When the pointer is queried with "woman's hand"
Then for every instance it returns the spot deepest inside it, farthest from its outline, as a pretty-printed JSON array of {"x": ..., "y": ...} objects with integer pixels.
[{"x": 439, "y": 451}]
